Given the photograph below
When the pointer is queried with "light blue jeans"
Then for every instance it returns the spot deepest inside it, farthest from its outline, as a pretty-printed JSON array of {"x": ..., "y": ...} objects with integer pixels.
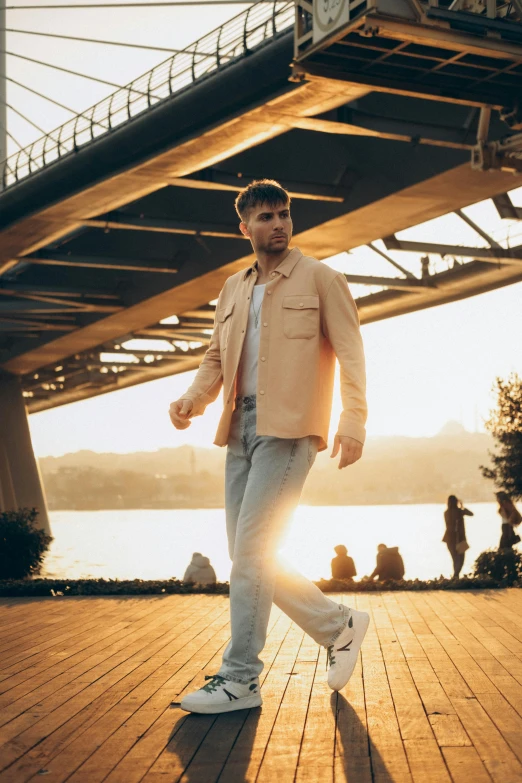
[{"x": 264, "y": 477}]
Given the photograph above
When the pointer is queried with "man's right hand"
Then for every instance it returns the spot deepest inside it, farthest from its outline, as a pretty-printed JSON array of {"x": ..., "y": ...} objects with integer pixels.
[{"x": 180, "y": 412}]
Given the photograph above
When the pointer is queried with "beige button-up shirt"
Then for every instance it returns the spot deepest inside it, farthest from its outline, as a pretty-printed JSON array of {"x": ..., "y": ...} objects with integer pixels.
[{"x": 308, "y": 319}]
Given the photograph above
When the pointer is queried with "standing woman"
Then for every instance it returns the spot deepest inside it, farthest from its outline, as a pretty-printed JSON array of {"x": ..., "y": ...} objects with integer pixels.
[
  {"x": 511, "y": 517},
  {"x": 455, "y": 535}
]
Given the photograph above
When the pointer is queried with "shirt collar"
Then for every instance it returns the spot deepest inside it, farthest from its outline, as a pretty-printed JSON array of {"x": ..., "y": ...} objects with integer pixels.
[{"x": 284, "y": 268}]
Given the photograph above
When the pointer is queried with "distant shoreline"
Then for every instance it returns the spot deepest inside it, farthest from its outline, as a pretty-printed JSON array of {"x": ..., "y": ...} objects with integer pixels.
[{"x": 313, "y": 505}]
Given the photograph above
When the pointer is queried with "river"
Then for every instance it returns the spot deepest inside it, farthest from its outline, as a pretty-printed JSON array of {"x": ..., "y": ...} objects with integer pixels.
[{"x": 158, "y": 544}]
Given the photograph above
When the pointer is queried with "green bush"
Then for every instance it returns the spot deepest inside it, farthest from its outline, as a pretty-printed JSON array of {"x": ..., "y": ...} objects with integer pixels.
[
  {"x": 22, "y": 544},
  {"x": 503, "y": 566}
]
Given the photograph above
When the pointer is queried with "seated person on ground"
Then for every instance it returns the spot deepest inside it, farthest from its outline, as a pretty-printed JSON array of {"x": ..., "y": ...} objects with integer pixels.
[
  {"x": 200, "y": 571},
  {"x": 390, "y": 564},
  {"x": 343, "y": 566}
]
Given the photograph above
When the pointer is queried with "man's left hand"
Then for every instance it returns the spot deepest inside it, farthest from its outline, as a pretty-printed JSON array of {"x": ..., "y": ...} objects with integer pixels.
[{"x": 351, "y": 450}]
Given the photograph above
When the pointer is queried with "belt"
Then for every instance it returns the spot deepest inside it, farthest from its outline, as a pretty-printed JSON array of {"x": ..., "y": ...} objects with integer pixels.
[{"x": 247, "y": 403}]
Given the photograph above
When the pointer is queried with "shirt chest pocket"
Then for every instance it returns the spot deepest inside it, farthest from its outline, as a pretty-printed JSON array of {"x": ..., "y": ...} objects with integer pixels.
[
  {"x": 301, "y": 316},
  {"x": 224, "y": 318}
]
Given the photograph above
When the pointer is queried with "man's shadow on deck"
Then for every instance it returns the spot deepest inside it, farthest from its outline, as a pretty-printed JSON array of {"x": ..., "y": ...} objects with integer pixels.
[
  {"x": 359, "y": 760},
  {"x": 208, "y": 747},
  {"x": 222, "y": 747}
]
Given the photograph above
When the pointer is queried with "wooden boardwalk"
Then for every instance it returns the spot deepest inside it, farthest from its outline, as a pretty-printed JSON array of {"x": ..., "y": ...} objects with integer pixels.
[{"x": 89, "y": 690}]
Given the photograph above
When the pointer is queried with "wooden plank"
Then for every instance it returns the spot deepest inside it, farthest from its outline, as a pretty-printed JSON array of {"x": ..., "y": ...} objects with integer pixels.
[
  {"x": 67, "y": 716},
  {"x": 61, "y": 689},
  {"x": 465, "y": 765},
  {"x": 282, "y": 751},
  {"x": 73, "y": 762},
  {"x": 84, "y": 650},
  {"x": 246, "y": 756},
  {"x": 439, "y": 705},
  {"x": 211, "y": 756},
  {"x": 492, "y": 748},
  {"x": 250, "y": 744},
  {"x": 352, "y": 746},
  {"x": 34, "y": 642},
  {"x": 426, "y": 761},
  {"x": 174, "y": 743},
  {"x": 59, "y": 728},
  {"x": 316, "y": 757},
  {"x": 23, "y": 657},
  {"x": 505, "y": 718},
  {"x": 388, "y": 757},
  {"x": 62, "y": 615},
  {"x": 449, "y": 731}
]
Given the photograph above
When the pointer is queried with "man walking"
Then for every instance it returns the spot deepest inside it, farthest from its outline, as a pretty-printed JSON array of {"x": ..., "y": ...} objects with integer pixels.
[{"x": 279, "y": 327}]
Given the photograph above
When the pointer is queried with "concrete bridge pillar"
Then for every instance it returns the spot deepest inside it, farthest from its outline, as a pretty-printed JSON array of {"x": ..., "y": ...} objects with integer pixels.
[{"x": 20, "y": 480}]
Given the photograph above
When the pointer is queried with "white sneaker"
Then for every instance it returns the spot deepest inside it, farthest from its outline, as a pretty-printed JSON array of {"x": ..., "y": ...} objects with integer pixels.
[
  {"x": 221, "y": 695},
  {"x": 342, "y": 654}
]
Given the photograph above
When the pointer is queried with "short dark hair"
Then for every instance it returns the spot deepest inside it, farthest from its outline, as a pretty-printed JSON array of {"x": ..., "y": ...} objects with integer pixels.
[{"x": 260, "y": 191}]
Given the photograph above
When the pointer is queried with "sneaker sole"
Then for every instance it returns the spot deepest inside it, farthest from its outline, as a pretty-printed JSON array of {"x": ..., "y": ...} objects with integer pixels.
[
  {"x": 246, "y": 703},
  {"x": 358, "y": 639}
]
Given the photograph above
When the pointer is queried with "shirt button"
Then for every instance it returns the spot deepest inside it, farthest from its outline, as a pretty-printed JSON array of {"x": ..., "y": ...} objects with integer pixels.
[
  {"x": 269, "y": 293},
  {"x": 265, "y": 324},
  {"x": 272, "y": 274},
  {"x": 263, "y": 359},
  {"x": 261, "y": 391},
  {"x": 301, "y": 304}
]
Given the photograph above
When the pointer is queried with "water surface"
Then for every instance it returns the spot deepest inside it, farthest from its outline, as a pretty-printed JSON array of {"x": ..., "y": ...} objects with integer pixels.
[{"x": 158, "y": 544}]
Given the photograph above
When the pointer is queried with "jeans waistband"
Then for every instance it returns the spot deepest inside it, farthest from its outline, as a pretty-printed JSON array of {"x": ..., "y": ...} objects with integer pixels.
[{"x": 247, "y": 403}]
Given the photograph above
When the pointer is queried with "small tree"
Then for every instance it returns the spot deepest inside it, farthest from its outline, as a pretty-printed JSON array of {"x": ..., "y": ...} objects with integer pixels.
[
  {"x": 505, "y": 425},
  {"x": 22, "y": 544}
]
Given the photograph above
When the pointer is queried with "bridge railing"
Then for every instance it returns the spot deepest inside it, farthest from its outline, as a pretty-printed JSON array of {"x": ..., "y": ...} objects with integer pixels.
[{"x": 233, "y": 40}]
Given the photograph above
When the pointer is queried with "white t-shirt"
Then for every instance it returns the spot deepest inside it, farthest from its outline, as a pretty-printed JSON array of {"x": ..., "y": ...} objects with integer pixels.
[{"x": 247, "y": 370}]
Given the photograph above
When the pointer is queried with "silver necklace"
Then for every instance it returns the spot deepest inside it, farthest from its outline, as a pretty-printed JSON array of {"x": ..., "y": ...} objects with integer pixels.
[{"x": 256, "y": 315}]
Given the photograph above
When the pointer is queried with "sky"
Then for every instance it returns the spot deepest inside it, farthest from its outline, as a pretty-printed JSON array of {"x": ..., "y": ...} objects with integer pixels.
[{"x": 424, "y": 368}]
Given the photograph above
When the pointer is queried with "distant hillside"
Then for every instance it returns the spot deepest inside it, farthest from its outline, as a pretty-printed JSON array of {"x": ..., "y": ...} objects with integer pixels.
[{"x": 393, "y": 470}]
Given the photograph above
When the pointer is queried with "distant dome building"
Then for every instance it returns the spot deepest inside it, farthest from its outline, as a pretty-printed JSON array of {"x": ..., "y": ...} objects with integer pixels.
[{"x": 452, "y": 428}]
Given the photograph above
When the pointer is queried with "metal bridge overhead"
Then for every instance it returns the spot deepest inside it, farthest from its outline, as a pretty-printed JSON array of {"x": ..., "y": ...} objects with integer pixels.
[
  {"x": 435, "y": 50},
  {"x": 117, "y": 230}
]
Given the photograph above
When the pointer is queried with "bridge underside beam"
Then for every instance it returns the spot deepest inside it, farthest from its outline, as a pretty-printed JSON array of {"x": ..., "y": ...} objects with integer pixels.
[
  {"x": 489, "y": 255},
  {"x": 109, "y": 221},
  {"x": 416, "y": 204}
]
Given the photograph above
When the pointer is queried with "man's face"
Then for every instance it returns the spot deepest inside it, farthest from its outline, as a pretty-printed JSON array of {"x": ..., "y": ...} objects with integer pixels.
[{"x": 269, "y": 228}]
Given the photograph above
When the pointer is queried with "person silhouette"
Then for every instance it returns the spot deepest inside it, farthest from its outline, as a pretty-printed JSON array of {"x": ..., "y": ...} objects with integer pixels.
[
  {"x": 199, "y": 571},
  {"x": 389, "y": 565},
  {"x": 343, "y": 566},
  {"x": 455, "y": 535},
  {"x": 511, "y": 517}
]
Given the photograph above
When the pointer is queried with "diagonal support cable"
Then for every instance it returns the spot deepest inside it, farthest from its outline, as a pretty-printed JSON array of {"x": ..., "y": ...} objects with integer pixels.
[
  {"x": 76, "y": 73},
  {"x": 65, "y": 70},
  {"x": 56, "y": 103},
  {"x": 30, "y": 122},
  {"x": 13, "y": 139},
  {"x": 105, "y": 43}
]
